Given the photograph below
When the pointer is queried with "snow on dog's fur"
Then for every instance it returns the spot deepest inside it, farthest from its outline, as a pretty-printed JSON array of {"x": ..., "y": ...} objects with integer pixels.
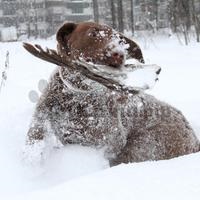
[{"x": 130, "y": 128}]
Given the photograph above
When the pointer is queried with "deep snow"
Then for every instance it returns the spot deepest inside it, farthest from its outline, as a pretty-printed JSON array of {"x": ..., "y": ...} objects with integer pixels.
[{"x": 82, "y": 173}]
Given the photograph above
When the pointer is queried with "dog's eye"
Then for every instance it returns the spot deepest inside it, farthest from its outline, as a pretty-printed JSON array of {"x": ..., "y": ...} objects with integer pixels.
[{"x": 93, "y": 33}]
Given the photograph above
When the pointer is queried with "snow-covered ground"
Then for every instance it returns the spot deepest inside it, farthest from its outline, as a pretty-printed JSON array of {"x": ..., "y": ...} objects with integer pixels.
[{"x": 76, "y": 172}]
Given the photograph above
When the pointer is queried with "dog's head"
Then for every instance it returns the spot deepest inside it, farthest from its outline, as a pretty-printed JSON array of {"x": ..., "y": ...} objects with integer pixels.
[
  {"x": 97, "y": 43},
  {"x": 109, "y": 49}
]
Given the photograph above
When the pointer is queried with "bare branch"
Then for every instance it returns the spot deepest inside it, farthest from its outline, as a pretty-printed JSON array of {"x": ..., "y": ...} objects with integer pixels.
[{"x": 52, "y": 56}]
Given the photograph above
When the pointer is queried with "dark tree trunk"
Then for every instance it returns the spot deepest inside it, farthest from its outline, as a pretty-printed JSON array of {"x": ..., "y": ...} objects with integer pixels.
[
  {"x": 120, "y": 15},
  {"x": 132, "y": 17},
  {"x": 156, "y": 14},
  {"x": 113, "y": 13},
  {"x": 96, "y": 11}
]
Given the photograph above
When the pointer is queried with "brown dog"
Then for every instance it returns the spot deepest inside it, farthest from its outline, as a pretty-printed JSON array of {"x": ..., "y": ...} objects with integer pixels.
[{"x": 130, "y": 128}]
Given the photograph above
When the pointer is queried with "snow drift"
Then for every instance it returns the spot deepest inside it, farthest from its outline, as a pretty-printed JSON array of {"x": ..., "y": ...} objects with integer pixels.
[{"x": 81, "y": 173}]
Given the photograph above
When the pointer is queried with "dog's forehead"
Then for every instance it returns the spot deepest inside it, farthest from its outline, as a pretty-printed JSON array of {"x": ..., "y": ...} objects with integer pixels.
[{"x": 83, "y": 27}]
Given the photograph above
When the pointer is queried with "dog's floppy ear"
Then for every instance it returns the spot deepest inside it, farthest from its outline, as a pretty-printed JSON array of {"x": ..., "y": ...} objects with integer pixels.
[
  {"x": 134, "y": 50},
  {"x": 63, "y": 35}
]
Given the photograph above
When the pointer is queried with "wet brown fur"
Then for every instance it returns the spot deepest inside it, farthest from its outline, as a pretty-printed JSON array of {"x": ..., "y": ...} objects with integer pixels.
[{"x": 131, "y": 128}]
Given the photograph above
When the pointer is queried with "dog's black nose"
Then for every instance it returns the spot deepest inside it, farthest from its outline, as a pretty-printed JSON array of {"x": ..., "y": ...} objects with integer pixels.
[{"x": 158, "y": 71}]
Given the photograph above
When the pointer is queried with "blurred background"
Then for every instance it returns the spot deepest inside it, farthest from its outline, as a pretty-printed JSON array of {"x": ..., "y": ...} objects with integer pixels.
[
  {"x": 21, "y": 19},
  {"x": 168, "y": 32}
]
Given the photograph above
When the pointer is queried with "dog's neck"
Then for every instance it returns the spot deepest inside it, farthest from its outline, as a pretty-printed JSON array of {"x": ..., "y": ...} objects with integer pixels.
[{"x": 73, "y": 80}]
